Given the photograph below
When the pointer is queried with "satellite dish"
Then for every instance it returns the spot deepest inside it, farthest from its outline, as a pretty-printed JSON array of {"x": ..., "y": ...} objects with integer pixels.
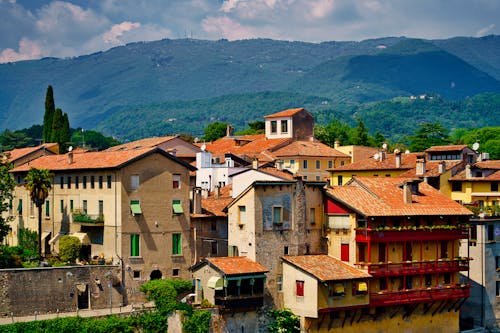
[
  {"x": 396, "y": 151},
  {"x": 475, "y": 146},
  {"x": 70, "y": 148},
  {"x": 407, "y": 151},
  {"x": 203, "y": 147},
  {"x": 376, "y": 156},
  {"x": 384, "y": 146}
]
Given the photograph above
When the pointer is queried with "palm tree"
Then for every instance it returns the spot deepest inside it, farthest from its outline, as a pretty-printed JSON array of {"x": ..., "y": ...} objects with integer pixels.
[{"x": 39, "y": 185}]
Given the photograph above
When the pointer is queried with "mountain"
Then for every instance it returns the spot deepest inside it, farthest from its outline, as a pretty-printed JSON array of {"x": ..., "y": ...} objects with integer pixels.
[{"x": 169, "y": 76}]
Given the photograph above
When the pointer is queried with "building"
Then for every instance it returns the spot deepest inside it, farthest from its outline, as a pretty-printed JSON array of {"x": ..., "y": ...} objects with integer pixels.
[
  {"x": 236, "y": 286},
  {"x": 128, "y": 207},
  {"x": 406, "y": 235},
  {"x": 20, "y": 156}
]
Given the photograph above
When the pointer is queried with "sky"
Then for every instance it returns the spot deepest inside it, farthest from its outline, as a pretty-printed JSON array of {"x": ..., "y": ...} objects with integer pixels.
[{"x": 33, "y": 29}]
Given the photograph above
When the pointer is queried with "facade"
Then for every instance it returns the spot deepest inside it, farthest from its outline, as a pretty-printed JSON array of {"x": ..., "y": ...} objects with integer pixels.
[
  {"x": 20, "y": 156},
  {"x": 406, "y": 235},
  {"x": 271, "y": 219},
  {"x": 128, "y": 207},
  {"x": 296, "y": 124}
]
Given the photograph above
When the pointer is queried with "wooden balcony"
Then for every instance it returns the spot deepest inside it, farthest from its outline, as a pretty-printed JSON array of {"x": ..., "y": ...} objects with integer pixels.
[
  {"x": 411, "y": 234},
  {"x": 419, "y": 295},
  {"x": 416, "y": 267},
  {"x": 239, "y": 302}
]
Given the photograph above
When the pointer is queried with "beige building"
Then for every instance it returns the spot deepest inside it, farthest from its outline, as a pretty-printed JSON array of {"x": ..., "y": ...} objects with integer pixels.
[{"x": 127, "y": 207}]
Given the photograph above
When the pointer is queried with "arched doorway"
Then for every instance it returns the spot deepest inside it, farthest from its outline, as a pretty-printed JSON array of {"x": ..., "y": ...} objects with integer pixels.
[{"x": 155, "y": 275}]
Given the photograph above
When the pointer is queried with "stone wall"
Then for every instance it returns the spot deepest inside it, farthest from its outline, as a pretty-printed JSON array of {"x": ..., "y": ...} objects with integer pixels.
[{"x": 63, "y": 289}]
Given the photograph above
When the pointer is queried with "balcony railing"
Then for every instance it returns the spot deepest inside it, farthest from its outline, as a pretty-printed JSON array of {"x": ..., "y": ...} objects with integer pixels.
[
  {"x": 80, "y": 217},
  {"x": 232, "y": 302},
  {"x": 419, "y": 295},
  {"x": 416, "y": 267},
  {"x": 398, "y": 234}
]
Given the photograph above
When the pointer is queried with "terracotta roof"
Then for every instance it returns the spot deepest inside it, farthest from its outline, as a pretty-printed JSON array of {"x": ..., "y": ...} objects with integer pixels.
[
  {"x": 212, "y": 206},
  {"x": 383, "y": 196},
  {"x": 285, "y": 113},
  {"x": 143, "y": 143},
  {"x": 92, "y": 160},
  {"x": 17, "y": 153},
  {"x": 236, "y": 265},
  {"x": 408, "y": 161},
  {"x": 445, "y": 148},
  {"x": 309, "y": 148},
  {"x": 492, "y": 164},
  {"x": 461, "y": 176},
  {"x": 285, "y": 174},
  {"x": 431, "y": 169},
  {"x": 326, "y": 268}
]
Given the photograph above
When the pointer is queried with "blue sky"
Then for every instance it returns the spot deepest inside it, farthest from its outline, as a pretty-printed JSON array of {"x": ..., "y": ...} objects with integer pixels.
[{"x": 32, "y": 29}]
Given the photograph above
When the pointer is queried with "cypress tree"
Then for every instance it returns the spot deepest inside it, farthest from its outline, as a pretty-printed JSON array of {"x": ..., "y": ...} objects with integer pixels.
[
  {"x": 49, "y": 114},
  {"x": 65, "y": 136},
  {"x": 56, "y": 126}
]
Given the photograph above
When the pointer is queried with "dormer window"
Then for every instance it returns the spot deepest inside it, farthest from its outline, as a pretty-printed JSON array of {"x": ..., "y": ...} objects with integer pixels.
[
  {"x": 284, "y": 126},
  {"x": 274, "y": 126}
]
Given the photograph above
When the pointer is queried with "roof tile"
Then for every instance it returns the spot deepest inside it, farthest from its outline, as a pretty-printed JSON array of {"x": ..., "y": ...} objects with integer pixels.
[
  {"x": 326, "y": 268},
  {"x": 237, "y": 265}
]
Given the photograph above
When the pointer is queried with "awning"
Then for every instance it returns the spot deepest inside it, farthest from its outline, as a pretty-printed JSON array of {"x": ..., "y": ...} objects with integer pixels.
[
  {"x": 135, "y": 207},
  {"x": 45, "y": 234},
  {"x": 250, "y": 276},
  {"x": 338, "y": 288},
  {"x": 83, "y": 237},
  {"x": 177, "y": 207},
  {"x": 55, "y": 238},
  {"x": 362, "y": 286},
  {"x": 215, "y": 282}
]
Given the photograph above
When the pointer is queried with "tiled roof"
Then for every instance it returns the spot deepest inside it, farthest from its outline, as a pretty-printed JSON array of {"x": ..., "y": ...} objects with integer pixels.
[
  {"x": 461, "y": 176},
  {"x": 285, "y": 113},
  {"x": 492, "y": 164},
  {"x": 308, "y": 148},
  {"x": 326, "y": 268},
  {"x": 408, "y": 161},
  {"x": 15, "y": 154},
  {"x": 285, "y": 174},
  {"x": 215, "y": 206},
  {"x": 383, "y": 196},
  {"x": 92, "y": 160},
  {"x": 236, "y": 265},
  {"x": 143, "y": 143},
  {"x": 431, "y": 169},
  {"x": 445, "y": 148}
]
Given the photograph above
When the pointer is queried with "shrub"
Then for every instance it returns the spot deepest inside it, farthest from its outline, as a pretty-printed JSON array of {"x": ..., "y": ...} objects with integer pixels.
[
  {"x": 69, "y": 248},
  {"x": 198, "y": 322},
  {"x": 283, "y": 321},
  {"x": 164, "y": 293}
]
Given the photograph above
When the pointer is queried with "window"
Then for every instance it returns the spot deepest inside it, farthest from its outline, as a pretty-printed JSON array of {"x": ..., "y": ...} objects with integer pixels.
[
  {"x": 473, "y": 232},
  {"x": 318, "y": 164},
  {"x": 339, "y": 180},
  {"x": 101, "y": 208},
  {"x": 136, "y": 275},
  {"x": 84, "y": 181},
  {"x": 497, "y": 288},
  {"x": 428, "y": 280},
  {"x": 285, "y": 250},
  {"x": 71, "y": 205},
  {"x": 176, "y": 244},
  {"x": 491, "y": 233},
  {"x": 284, "y": 126},
  {"x": 47, "y": 208},
  {"x": 32, "y": 208},
  {"x": 274, "y": 126},
  {"x": 62, "y": 206},
  {"x": 312, "y": 215},
  {"x": 299, "y": 288},
  {"x": 92, "y": 182},
  {"x": 20, "y": 207},
  {"x": 304, "y": 164},
  {"x": 446, "y": 278},
  {"x": 330, "y": 164},
  {"x": 213, "y": 249},
  {"x": 100, "y": 181},
  {"x": 84, "y": 206},
  {"x": 336, "y": 289},
  {"x": 108, "y": 180},
  {"x": 292, "y": 164},
  {"x": 242, "y": 214},
  {"x": 134, "y": 182},
  {"x": 279, "y": 283},
  {"x": 134, "y": 245},
  {"x": 382, "y": 284},
  {"x": 175, "y": 272},
  {"x": 61, "y": 181},
  {"x": 135, "y": 207},
  {"x": 213, "y": 225},
  {"x": 69, "y": 181},
  {"x": 176, "y": 181},
  {"x": 77, "y": 181},
  {"x": 494, "y": 186},
  {"x": 177, "y": 207},
  {"x": 277, "y": 215},
  {"x": 456, "y": 186},
  {"x": 318, "y": 178}
]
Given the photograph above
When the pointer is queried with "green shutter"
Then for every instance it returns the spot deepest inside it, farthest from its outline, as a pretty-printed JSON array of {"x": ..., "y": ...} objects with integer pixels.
[
  {"x": 20, "y": 206},
  {"x": 134, "y": 245},
  {"x": 135, "y": 207},
  {"x": 177, "y": 207},
  {"x": 47, "y": 208},
  {"x": 176, "y": 244}
]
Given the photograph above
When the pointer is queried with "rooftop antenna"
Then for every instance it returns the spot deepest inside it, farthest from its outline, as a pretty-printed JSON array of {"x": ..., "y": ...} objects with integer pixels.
[{"x": 475, "y": 146}]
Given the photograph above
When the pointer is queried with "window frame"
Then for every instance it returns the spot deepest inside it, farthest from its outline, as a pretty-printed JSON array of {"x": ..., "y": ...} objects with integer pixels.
[
  {"x": 134, "y": 182},
  {"x": 299, "y": 288},
  {"x": 176, "y": 244},
  {"x": 278, "y": 209},
  {"x": 176, "y": 181},
  {"x": 135, "y": 245},
  {"x": 284, "y": 126},
  {"x": 274, "y": 126}
]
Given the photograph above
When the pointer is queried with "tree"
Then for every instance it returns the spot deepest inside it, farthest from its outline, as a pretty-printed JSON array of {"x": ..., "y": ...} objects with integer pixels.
[
  {"x": 70, "y": 248},
  {"x": 215, "y": 131},
  {"x": 360, "y": 134},
  {"x": 38, "y": 185},
  {"x": 48, "y": 117},
  {"x": 283, "y": 321},
  {"x": 337, "y": 130},
  {"x": 428, "y": 135},
  {"x": 6, "y": 188}
]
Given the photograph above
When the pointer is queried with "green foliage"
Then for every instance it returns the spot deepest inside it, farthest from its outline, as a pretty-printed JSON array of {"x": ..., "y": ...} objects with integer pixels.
[
  {"x": 10, "y": 257},
  {"x": 70, "y": 248},
  {"x": 6, "y": 188},
  {"x": 254, "y": 127},
  {"x": 92, "y": 139},
  {"x": 283, "y": 321},
  {"x": 164, "y": 293},
  {"x": 48, "y": 116},
  {"x": 28, "y": 241},
  {"x": 198, "y": 322},
  {"x": 360, "y": 135},
  {"x": 215, "y": 131},
  {"x": 429, "y": 134},
  {"x": 337, "y": 130}
]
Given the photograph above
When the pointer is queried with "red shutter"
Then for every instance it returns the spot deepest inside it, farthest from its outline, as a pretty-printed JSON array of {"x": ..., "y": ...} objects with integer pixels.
[
  {"x": 299, "y": 285},
  {"x": 344, "y": 252}
]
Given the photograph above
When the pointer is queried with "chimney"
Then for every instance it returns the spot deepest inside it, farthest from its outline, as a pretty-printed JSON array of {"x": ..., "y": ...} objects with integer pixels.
[
  {"x": 382, "y": 155},
  {"x": 410, "y": 188},
  {"x": 442, "y": 167},
  {"x": 70, "y": 157},
  {"x": 229, "y": 130},
  {"x": 468, "y": 172},
  {"x": 217, "y": 192},
  {"x": 420, "y": 166},
  {"x": 279, "y": 165},
  {"x": 197, "y": 200},
  {"x": 255, "y": 163},
  {"x": 397, "y": 155},
  {"x": 336, "y": 144}
]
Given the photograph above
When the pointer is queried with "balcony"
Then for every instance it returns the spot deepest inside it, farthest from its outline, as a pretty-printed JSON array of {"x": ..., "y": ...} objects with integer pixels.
[
  {"x": 411, "y": 233},
  {"x": 87, "y": 219},
  {"x": 419, "y": 295},
  {"x": 239, "y": 302},
  {"x": 416, "y": 267}
]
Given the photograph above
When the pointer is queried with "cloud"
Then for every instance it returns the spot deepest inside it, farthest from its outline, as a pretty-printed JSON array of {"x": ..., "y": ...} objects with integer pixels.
[
  {"x": 113, "y": 35},
  {"x": 485, "y": 31},
  {"x": 28, "y": 50}
]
